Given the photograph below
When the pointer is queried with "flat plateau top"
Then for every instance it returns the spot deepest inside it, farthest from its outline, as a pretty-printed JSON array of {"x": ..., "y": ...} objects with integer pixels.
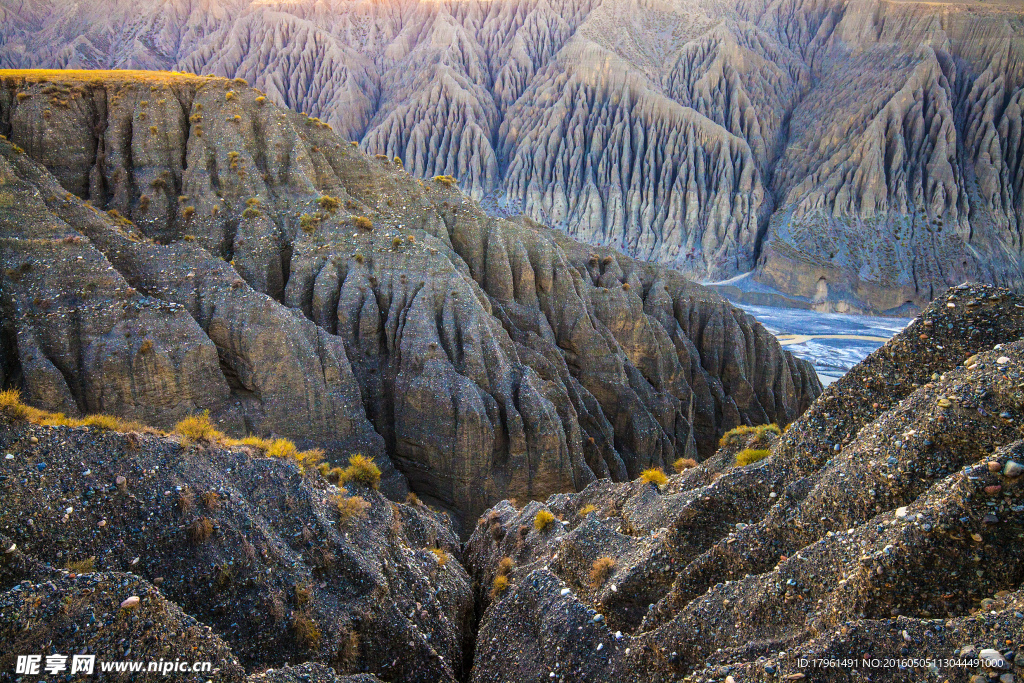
[{"x": 100, "y": 76}]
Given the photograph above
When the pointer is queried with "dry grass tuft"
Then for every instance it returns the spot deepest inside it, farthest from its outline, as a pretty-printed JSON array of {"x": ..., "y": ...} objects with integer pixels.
[
  {"x": 441, "y": 555},
  {"x": 361, "y": 470},
  {"x": 306, "y": 632},
  {"x": 683, "y": 464},
  {"x": 600, "y": 571},
  {"x": 748, "y": 456},
  {"x": 654, "y": 475},
  {"x": 198, "y": 428},
  {"x": 743, "y": 434},
  {"x": 350, "y": 507},
  {"x": 499, "y": 586},
  {"x": 200, "y": 530},
  {"x": 543, "y": 519},
  {"x": 86, "y": 566}
]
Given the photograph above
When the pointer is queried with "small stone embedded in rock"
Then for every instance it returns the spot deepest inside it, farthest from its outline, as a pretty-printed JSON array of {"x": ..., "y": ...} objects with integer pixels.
[
  {"x": 33, "y": 439},
  {"x": 1002, "y": 360},
  {"x": 901, "y": 512},
  {"x": 130, "y": 603},
  {"x": 994, "y": 466},
  {"x": 992, "y": 659},
  {"x": 1013, "y": 469},
  {"x": 120, "y": 481},
  {"x": 993, "y": 490}
]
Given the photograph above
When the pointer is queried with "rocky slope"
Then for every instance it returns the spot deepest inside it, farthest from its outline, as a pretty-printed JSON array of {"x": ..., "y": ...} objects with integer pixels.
[
  {"x": 210, "y": 537},
  {"x": 885, "y": 524},
  {"x": 853, "y": 154},
  {"x": 881, "y": 528},
  {"x": 172, "y": 243}
]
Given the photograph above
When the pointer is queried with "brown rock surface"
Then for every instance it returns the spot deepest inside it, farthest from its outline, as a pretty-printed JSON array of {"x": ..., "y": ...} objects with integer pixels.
[{"x": 218, "y": 262}]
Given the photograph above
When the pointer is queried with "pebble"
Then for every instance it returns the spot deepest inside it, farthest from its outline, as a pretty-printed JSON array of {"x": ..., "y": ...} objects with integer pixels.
[
  {"x": 9, "y": 456},
  {"x": 901, "y": 512},
  {"x": 120, "y": 481},
  {"x": 1006, "y": 678},
  {"x": 130, "y": 603},
  {"x": 1002, "y": 360},
  {"x": 564, "y": 591},
  {"x": 33, "y": 440},
  {"x": 1013, "y": 469},
  {"x": 992, "y": 658},
  {"x": 994, "y": 466},
  {"x": 976, "y": 538},
  {"x": 102, "y": 523},
  {"x": 993, "y": 490}
]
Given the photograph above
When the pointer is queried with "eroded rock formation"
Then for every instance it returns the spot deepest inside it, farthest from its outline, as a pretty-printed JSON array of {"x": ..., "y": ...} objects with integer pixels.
[
  {"x": 885, "y": 522},
  {"x": 854, "y": 155},
  {"x": 174, "y": 244}
]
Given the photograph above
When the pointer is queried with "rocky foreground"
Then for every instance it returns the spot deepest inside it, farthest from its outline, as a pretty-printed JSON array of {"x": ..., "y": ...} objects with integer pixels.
[
  {"x": 883, "y": 524},
  {"x": 171, "y": 244}
]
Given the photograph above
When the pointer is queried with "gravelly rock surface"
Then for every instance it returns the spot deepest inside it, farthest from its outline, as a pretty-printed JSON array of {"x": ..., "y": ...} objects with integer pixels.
[
  {"x": 262, "y": 268},
  {"x": 855, "y": 155},
  {"x": 275, "y": 558},
  {"x": 886, "y": 523}
]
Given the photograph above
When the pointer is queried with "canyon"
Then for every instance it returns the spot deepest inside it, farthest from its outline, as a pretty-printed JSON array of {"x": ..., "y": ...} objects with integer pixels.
[{"x": 850, "y": 155}]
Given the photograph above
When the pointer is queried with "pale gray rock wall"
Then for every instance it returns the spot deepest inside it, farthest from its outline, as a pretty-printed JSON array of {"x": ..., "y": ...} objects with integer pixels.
[{"x": 863, "y": 155}]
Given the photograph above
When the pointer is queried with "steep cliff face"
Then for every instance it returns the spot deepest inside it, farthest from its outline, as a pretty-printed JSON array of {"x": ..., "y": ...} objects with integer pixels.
[
  {"x": 175, "y": 243},
  {"x": 856, "y": 154}
]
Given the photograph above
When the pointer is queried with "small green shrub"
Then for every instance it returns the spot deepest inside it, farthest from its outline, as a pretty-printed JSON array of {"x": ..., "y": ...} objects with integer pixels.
[
  {"x": 362, "y": 222},
  {"x": 308, "y": 223},
  {"x": 446, "y": 180},
  {"x": 329, "y": 204}
]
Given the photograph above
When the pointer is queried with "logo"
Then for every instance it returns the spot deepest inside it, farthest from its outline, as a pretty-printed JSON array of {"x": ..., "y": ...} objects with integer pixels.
[{"x": 55, "y": 664}]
